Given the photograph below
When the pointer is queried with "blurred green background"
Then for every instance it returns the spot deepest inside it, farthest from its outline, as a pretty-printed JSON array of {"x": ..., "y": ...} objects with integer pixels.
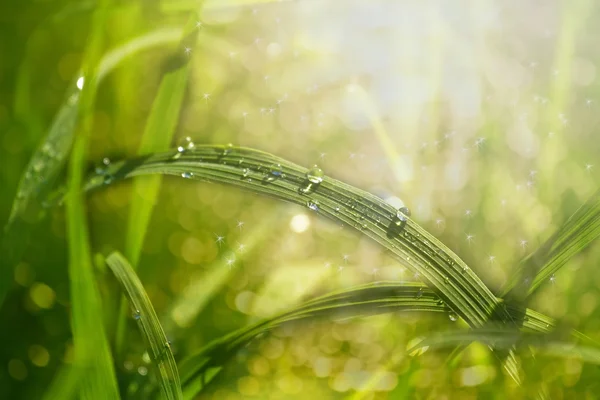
[{"x": 481, "y": 116}]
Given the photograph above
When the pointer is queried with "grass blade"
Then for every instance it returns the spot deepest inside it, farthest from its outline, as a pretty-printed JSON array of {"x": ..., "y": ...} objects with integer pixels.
[
  {"x": 157, "y": 136},
  {"x": 369, "y": 299},
  {"x": 149, "y": 325},
  {"x": 507, "y": 338},
  {"x": 576, "y": 234},
  {"x": 92, "y": 352},
  {"x": 260, "y": 172},
  {"x": 49, "y": 159}
]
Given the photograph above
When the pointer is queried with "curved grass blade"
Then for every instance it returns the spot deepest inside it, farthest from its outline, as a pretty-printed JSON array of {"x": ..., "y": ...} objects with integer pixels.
[
  {"x": 500, "y": 337},
  {"x": 576, "y": 234},
  {"x": 369, "y": 299},
  {"x": 92, "y": 352},
  {"x": 149, "y": 325},
  {"x": 263, "y": 173},
  {"x": 49, "y": 159},
  {"x": 157, "y": 136}
]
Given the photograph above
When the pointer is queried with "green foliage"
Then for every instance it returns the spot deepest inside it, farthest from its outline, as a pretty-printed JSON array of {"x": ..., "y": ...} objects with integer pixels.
[
  {"x": 96, "y": 371},
  {"x": 92, "y": 352},
  {"x": 576, "y": 234}
]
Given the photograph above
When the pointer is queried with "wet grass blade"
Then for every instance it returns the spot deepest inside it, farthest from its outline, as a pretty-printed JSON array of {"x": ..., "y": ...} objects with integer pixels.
[
  {"x": 157, "y": 136},
  {"x": 576, "y": 234},
  {"x": 49, "y": 159},
  {"x": 149, "y": 324},
  {"x": 370, "y": 299},
  {"x": 92, "y": 352},
  {"x": 263, "y": 173}
]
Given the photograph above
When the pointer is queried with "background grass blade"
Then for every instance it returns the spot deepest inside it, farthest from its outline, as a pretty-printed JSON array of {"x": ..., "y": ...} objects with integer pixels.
[
  {"x": 373, "y": 298},
  {"x": 49, "y": 159},
  {"x": 260, "y": 172},
  {"x": 576, "y": 234},
  {"x": 92, "y": 352},
  {"x": 157, "y": 136},
  {"x": 507, "y": 338},
  {"x": 149, "y": 324}
]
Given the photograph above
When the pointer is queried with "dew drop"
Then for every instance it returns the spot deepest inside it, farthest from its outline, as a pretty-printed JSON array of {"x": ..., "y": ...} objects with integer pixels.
[
  {"x": 420, "y": 293},
  {"x": 107, "y": 179},
  {"x": 440, "y": 302},
  {"x": 337, "y": 210},
  {"x": 405, "y": 211},
  {"x": 315, "y": 175},
  {"x": 186, "y": 144},
  {"x": 245, "y": 172},
  {"x": 305, "y": 189},
  {"x": 227, "y": 149},
  {"x": 399, "y": 220},
  {"x": 313, "y": 205},
  {"x": 276, "y": 170},
  {"x": 447, "y": 280},
  {"x": 187, "y": 175},
  {"x": 453, "y": 317},
  {"x": 137, "y": 315}
]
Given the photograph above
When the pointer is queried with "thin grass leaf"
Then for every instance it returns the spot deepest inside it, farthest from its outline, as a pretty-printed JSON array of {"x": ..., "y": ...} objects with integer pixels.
[
  {"x": 507, "y": 338},
  {"x": 157, "y": 136},
  {"x": 363, "y": 300},
  {"x": 266, "y": 174},
  {"x": 581, "y": 229},
  {"x": 92, "y": 352},
  {"x": 49, "y": 159},
  {"x": 149, "y": 324}
]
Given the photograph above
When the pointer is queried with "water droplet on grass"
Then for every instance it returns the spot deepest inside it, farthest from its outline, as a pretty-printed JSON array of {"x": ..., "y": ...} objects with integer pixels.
[
  {"x": 227, "y": 149},
  {"x": 137, "y": 315},
  {"x": 186, "y": 144},
  {"x": 245, "y": 172},
  {"x": 315, "y": 175},
  {"x": 420, "y": 293},
  {"x": 276, "y": 170},
  {"x": 452, "y": 316},
  {"x": 400, "y": 218},
  {"x": 313, "y": 205},
  {"x": 187, "y": 175}
]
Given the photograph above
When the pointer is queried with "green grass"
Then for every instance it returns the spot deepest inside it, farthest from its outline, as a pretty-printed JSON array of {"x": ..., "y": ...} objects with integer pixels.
[
  {"x": 504, "y": 320},
  {"x": 152, "y": 331}
]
